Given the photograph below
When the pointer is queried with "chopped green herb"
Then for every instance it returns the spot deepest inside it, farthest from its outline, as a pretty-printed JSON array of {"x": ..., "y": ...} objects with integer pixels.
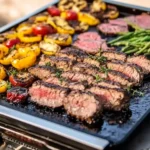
[
  {"x": 12, "y": 48},
  {"x": 104, "y": 70},
  {"x": 134, "y": 92},
  {"x": 100, "y": 59},
  {"x": 12, "y": 72},
  {"x": 9, "y": 85},
  {"x": 98, "y": 78},
  {"x": 48, "y": 64}
]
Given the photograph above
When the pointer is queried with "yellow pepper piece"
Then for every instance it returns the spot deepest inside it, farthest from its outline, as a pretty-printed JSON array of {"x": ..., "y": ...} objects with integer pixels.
[
  {"x": 61, "y": 25},
  {"x": 24, "y": 62},
  {"x": 60, "y": 39},
  {"x": 41, "y": 18},
  {"x": 10, "y": 35},
  {"x": 87, "y": 18},
  {"x": 10, "y": 57},
  {"x": 3, "y": 86},
  {"x": 49, "y": 48},
  {"x": 25, "y": 28},
  {"x": 28, "y": 39},
  {"x": 34, "y": 48},
  {"x": 3, "y": 51},
  {"x": 2, "y": 72},
  {"x": 113, "y": 14}
]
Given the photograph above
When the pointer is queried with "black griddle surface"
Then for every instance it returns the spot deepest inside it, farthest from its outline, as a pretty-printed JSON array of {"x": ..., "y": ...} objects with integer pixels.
[{"x": 113, "y": 126}]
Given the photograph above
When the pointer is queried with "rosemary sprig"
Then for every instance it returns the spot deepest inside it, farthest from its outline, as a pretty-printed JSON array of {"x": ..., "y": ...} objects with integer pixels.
[
  {"x": 104, "y": 70},
  {"x": 134, "y": 92},
  {"x": 98, "y": 78},
  {"x": 9, "y": 85},
  {"x": 12, "y": 72}
]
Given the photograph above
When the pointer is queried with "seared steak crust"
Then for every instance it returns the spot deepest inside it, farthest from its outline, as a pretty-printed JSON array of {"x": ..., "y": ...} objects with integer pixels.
[
  {"x": 112, "y": 99},
  {"x": 60, "y": 62},
  {"x": 42, "y": 72},
  {"x": 140, "y": 61},
  {"x": 130, "y": 70},
  {"x": 83, "y": 106},
  {"x": 46, "y": 94},
  {"x": 77, "y": 55},
  {"x": 113, "y": 55}
]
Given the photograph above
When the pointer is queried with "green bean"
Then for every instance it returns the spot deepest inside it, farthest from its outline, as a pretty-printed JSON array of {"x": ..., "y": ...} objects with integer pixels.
[
  {"x": 131, "y": 51},
  {"x": 142, "y": 49}
]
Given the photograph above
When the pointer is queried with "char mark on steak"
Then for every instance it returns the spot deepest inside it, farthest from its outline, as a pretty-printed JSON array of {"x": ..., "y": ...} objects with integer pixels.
[
  {"x": 113, "y": 55},
  {"x": 49, "y": 95},
  {"x": 42, "y": 72},
  {"x": 112, "y": 99},
  {"x": 60, "y": 62},
  {"x": 84, "y": 106},
  {"x": 141, "y": 61},
  {"x": 66, "y": 83},
  {"x": 129, "y": 70}
]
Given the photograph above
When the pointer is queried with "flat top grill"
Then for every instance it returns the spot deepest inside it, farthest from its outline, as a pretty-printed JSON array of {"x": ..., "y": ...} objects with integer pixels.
[{"x": 124, "y": 122}]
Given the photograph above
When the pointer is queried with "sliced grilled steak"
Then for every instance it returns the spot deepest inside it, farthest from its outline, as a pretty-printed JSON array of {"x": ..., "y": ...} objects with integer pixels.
[
  {"x": 60, "y": 62},
  {"x": 127, "y": 69},
  {"x": 141, "y": 61},
  {"x": 77, "y": 55},
  {"x": 112, "y": 99},
  {"x": 77, "y": 76},
  {"x": 119, "y": 22},
  {"x": 83, "y": 106},
  {"x": 66, "y": 83},
  {"x": 46, "y": 94},
  {"x": 139, "y": 21},
  {"x": 119, "y": 77},
  {"x": 87, "y": 36},
  {"x": 42, "y": 72},
  {"x": 91, "y": 46},
  {"x": 111, "y": 75},
  {"x": 112, "y": 29},
  {"x": 113, "y": 55}
]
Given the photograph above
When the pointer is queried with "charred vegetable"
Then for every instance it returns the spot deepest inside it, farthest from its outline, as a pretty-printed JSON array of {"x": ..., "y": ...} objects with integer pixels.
[
  {"x": 3, "y": 51},
  {"x": 49, "y": 48},
  {"x": 2, "y": 72},
  {"x": 22, "y": 79},
  {"x": 79, "y": 26},
  {"x": 12, "y": 42},
  {"x": 69, "y": 15},
  {"x": 53, "y": 11},
  {"x": 76, "y": 5},
  {"x": 61, "y": 25},
  {"x": 97, "y": 6},
  {"x": 3, "y": 86},
  {"x": 17, "y": 94},
  {"x": 60, "y": 39}
]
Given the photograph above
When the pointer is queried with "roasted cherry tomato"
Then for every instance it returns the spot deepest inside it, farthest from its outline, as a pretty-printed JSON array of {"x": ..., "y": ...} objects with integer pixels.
[
  {"x": 11, "y": 42},
  {"x": 17, "y": 94},
  {"x": 22, "y": 79},
  {"x": 43, "y": 29},
  {"x": 69, "y": 15},
  {"x": 53, "y": 11}
]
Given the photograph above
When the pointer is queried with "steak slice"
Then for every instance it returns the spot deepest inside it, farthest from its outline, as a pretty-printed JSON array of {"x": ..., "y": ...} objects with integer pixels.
[
  {"x": 112, "y": 99},
  {"x": 42, "y": 72},
  {"x": 129, "y": 70},
  {"x": 118, "y": 21},
  {"x": 113, "y": 55},
  {"x": 87, "y": 36},
  {"x": 83, "y": 106},
  {"x": 112, "y": 29},
  {"x": 46, "y": 94},
  {"x": 91, "y": 46},
  {"x": 60, "y": 62},
  {"x": 77, "y": 55},
  {"x": 141, "y": 61},
  {"x": 66, "y": 83},
  {"x": 77, "y": 76},
  {"x": 111, "y": 75}
]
